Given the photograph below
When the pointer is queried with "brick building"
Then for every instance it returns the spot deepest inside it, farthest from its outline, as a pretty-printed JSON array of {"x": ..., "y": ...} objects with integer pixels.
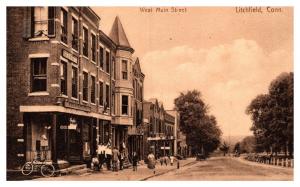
[
  {"x": 160, "y": 128},
  {"x": 69, "y": 86}
]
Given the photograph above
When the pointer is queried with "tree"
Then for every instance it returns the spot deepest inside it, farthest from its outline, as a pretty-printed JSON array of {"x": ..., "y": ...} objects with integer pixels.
[
  {"x": 201, "y": 129},
  {"x": 247, "y": 145},
  {"x": 272, "y": 116},
  {"x": 237, "y": 147},
  {"x": 224, "y": 148}
]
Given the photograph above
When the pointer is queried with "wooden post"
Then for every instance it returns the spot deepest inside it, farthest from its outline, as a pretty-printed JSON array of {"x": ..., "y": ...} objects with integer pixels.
[{"x": 53, "y": 144}]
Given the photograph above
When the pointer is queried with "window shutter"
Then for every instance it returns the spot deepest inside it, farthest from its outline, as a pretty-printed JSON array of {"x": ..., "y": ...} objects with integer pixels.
[
  {"x": 51, "y": 21},
  {"x": 27, "y": 22}
]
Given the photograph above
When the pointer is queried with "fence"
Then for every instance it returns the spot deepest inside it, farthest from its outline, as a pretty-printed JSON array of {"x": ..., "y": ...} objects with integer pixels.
[{"x": 271, "y": 160}]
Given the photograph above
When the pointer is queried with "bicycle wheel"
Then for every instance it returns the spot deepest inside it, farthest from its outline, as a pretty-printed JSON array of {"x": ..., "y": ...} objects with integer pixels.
[
  {"x": 27, "y": 168},
  {"x": 47, "y": 170}
]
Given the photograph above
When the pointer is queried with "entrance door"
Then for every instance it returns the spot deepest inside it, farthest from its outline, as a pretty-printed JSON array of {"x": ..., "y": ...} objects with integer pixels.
[{"x": 75, "y": 146}]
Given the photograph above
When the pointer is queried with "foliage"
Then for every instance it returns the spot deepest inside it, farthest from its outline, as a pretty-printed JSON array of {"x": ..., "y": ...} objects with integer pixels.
[
  {"x": 224, "y": 148},
  {"x": 201, "y": 129},
  {"x": 272, "y": 116},
  {"x": 247, "y": 145}
]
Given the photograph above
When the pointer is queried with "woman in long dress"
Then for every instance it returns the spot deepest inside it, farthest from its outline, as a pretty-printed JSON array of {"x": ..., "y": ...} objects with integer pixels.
[{"x": 151, "y": 162}]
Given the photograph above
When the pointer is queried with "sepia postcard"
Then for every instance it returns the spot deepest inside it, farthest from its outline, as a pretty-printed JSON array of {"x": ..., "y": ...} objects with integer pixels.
[{"x": 149, "y": 93}]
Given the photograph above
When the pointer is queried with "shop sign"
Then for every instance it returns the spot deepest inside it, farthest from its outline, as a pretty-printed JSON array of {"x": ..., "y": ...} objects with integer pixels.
[
  {"x": 71, "y": 126},
  {"x": 69, "y": 56},
  {"x": 164, "y": 147}
]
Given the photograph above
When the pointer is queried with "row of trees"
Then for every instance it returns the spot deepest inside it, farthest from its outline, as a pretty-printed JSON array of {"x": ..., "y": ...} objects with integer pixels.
[
  {"x": 272, "y": 116},
  {"x": 201, "y": 129}
]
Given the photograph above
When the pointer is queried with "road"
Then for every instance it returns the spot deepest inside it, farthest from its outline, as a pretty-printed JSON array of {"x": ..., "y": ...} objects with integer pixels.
[
  {"x": 213, "y": 169},
  {"x": 227, "y": 168}
]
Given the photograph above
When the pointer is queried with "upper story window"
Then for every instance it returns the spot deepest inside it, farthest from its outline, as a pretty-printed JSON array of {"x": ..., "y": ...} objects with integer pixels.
[
  {"x": 93, "y": 48},
  {"x": 124, "y": 105},
  {"x": 85, "y": 42},
  {"x": 93, "y": 89},
  {"x": 124, "y": 70},
  {"x": 74, "y": 82},
  {"x": 101, "y": 93},
  {"x": 113, "y": 69},
  {"x": 75, "y": 34},
  {"x": 43, "y": 23},
  {"x": 107, "y": 95},
  {"x": 101, "y": 58},
  {"x": 38, "y": 74},
  {"x": 63, "y": 78},
  {"x": 64, "y": 25},
  {"x": 85, "y": 86},
  {"x": 107, "y": 59}
]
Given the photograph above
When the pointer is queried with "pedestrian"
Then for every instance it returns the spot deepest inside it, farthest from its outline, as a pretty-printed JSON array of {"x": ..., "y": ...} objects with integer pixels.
[
  {"x": 151, "y": 161},
  {"x": 172, "y": 158},
  {"x": 135, "y": 159},
  {"x": 121, "y": 159},
  {"x": 95, "y": 163},
  {"x": 161, "y": 160},
  {"x": 101, "y": 154},
  {"x": 166, "y": 160},
  {"x": 115, "y": 158},
  {"x": 108, "y": 155}
]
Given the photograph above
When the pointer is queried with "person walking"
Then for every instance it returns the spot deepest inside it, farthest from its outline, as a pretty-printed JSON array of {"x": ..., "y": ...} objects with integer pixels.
[
  {"x": 108, "y": 154},
  {"x": 172, "y": 158},
  {"x": 115, "y": 158},
  {"x": 121, "y": 159},
  {"x": 166, "y": 160},
  {"x": 161, "y": 160},
  {"x": 135, "y": 159},
  {"x": 151, "y": 161}
]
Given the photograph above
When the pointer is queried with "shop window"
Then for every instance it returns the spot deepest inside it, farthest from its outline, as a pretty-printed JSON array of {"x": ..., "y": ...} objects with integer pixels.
[
  {"x": 124, "y": 70},
  {"x": 85, "y": 42},
  {"x": 43, "y": 23},
  {"x": 64, "y": 25},
  {"x": 74, "y": 82},
  {"x": 38, "y": 74},
  {"x": 63, "y": 78},
  {"x": 124, "y": 105},
  {"x": 107, "y": 58},
  {"x": 101, "y": 59},
  {"x": 93, "y": 48},
  {"x": 93, "y": 89},
  {"x": 75, "y": 34},
  {"x": 85, "y": 86}
]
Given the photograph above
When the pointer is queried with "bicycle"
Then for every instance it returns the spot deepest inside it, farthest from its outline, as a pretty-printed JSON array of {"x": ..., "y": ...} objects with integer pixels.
[{"x": 45, "y": 167}]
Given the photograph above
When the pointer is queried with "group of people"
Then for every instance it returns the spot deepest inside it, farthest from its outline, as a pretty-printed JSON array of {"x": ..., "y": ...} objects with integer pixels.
[
  {"x": 167, "y": 159},
  {"x": 113, "y": 158}
]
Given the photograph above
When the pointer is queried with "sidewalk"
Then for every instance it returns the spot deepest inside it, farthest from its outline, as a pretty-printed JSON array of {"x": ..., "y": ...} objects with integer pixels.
[{"x": 142, "y": 173}]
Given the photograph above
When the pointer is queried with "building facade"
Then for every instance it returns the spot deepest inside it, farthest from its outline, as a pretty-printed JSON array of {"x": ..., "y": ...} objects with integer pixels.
[
  {"x": 69, "y": 86},
  {"x": 160, "y": 129}
]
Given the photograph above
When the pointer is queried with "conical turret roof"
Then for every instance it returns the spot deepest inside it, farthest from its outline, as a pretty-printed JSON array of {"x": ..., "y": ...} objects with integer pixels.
[{"x": 117, "y": 34}]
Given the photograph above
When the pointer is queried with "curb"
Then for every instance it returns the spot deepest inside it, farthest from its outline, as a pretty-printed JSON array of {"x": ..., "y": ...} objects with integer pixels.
[{"x": 158, "y": 174}]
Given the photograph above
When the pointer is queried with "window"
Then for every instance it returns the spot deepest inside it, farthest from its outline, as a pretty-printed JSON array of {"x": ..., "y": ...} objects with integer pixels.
[
  {"x": 107, "y": 61},
  {"x": 63, "y": 78},
  {"x": 93, "y": 48},
  {"x": 85, "y": 42},
  {"x": 101, "y": 93},
  {"x": 85, "y": 86},
  {"x": 38, "y": 74},
  {"x": 74, "y": 82},
  {"x": 43, "y": 21},
  {"x": 64, "y": 25},
  {"x": 113, "y": 69},
  {"x": 101, "y": 59},
  {"x": 75, "y": 34},
  {"x": 124, "y": 69},
  {"x": 93, "y": 90},
  {"x": 124, "y": 105},
  {"x": 107, "y": 95}
]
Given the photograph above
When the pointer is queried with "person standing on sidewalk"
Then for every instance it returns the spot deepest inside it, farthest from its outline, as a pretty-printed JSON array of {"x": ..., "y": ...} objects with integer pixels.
[
  {"x": 108, "y": 154},
  {"x": 135, "y": 159},
  {"x": 172, "y": 158},
  {"x": 115, "y": 158},
  {"x": 151, "y": 162},
  {"x": 161, "y": 160}
]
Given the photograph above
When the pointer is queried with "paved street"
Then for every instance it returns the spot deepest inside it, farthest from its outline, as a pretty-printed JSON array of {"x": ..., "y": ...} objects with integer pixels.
[
  {"x": 227, "y": 168},
  {"x": 216, "y": 168}
]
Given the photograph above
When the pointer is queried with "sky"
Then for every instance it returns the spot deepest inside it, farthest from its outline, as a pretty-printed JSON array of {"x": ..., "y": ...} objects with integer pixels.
[{"x": 229, "y": 57}]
